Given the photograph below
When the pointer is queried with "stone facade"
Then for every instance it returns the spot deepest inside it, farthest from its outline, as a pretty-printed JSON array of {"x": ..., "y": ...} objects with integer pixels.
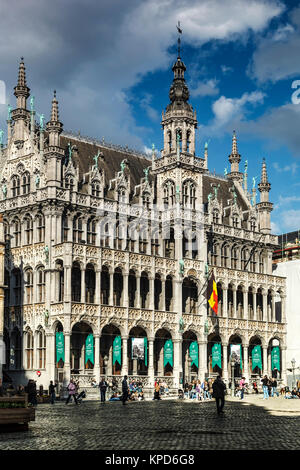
[{"x": 106, "y": 242}]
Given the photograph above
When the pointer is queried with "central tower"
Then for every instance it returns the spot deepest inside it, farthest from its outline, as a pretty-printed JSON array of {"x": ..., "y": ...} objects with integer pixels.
[{"x": 179, "y": 122}]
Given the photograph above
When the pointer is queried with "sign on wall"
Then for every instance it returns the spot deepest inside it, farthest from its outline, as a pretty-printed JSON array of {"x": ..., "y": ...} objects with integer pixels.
[
  {"x": 275, "y": 358},
  {"x": 216, "y": 355},
  {"x": 60, "y": 346},
  {"x": 168, "y": 353},
  {"x": 117, "y": 350},
  {"x": 256, "y": 357},
  {"x": 89, "y": 349},
  {"x": 194, "y": 353}
]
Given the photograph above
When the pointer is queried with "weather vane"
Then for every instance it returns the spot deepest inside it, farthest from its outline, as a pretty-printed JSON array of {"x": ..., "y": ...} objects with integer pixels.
[{"x": 180, "y": 32}]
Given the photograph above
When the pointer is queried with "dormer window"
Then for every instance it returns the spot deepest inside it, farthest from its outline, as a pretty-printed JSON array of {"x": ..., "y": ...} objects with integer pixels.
[
  {"x": 15, "y": 186},
  {"x": 235, "y": 221},
  {"x": 122, "y": 195},
  {"x": 26, "y": 183},
  {"x": 96, "y": 188}
]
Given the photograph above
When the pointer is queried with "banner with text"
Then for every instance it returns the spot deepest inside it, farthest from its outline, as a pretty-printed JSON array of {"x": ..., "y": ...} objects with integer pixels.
[
  {"x": 89, "y": 349},
  {"x": 117, "y": 350},
  {"x": 194, "y": 353},
  {"x": 256, "y": 357},
  {"x": 216, "y": 355},
  {"x": 275, "y": 358},
  {"x": 168, "y": 353},
  {"x": 60, "y": 346}
]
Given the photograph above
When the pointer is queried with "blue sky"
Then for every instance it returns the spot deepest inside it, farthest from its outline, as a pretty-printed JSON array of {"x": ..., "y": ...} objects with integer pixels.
[{"x": 110, "y": 62}]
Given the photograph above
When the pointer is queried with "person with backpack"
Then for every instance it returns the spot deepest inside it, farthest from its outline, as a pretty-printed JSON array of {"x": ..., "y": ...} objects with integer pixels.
[
  {"x": 265, "y": 384},
  {"x": 72, "y": 392},
  {"x": 124, "y": 390}
]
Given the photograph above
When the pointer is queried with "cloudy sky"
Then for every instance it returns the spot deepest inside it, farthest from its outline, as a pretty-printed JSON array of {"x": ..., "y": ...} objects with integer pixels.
[{"x": 110, "y": 62}]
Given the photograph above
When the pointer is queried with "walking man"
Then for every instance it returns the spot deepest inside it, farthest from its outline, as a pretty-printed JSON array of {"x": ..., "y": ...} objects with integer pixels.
[
  {"x": 72, "y": 392},
  {"x": 103, "y": 386},
  {"x": 124, "y": 390},
  {"x": 219, "y": 393},
  {"x": 52, "y": 392}
]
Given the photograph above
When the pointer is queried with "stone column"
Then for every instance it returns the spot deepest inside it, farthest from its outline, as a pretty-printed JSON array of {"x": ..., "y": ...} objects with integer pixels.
[
  {"x": 202, "y": 359},
  {"x": 82, "y": 297},
  {"x": 273, "y": 318},
  {"x": 111, "y": 288},
  {"x": 177, "y": 366},
  {"x": 138, "y": 291},
  {"x": 225, "y": 362},
  {"x": 124, "y": 300},
  {"x": 97, "y": 358},
  {"x": 225, "y": 302},
  {"x": 234, "y": 293},
  {"x": 246, "y": 362},
  {"x": 254, "y": 304},
  {"x": 67, "y": 367},
  {"x": 265, "y": 306},
  {"x": 283, "y": 307},
  {"x": 162, "y": 300},
  {"x": 151, "y": 362},
  {"x": 151, "y": 293},
  {"x": 124, "y": 355},
  {"x": 67, "y": 283},
  {"x": 245, "y": 303},
  {"x": 265, "y": 360},
  {"x": 98, "y": 287},
  {"x": 50, "y": 355}
]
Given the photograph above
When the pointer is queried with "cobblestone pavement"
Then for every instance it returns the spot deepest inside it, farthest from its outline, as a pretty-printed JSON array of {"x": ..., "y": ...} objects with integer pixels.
[{"x": 165, "y": 425}]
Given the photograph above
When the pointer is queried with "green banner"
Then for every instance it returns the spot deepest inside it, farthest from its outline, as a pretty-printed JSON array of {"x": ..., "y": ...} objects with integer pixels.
[
  {"x": 216, "y": 355},
  {"x": 117, "y": 350},
  {"x": 60, "y": 346},
  {"x": 168, "y": 353},
  {"x": 256, "y": 357},
  {"x": 275, "y": 358},
  {"x": 89, "y": 349},
  {"x": 146, "y": 357},
  {"x": 194, "y": 353}
]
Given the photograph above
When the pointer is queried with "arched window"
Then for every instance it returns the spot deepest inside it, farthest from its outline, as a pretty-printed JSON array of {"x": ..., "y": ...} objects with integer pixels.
[
  {"x": 40, "y": 284},
  {"x": 17, "y": 285},
  {"x": 28, "y": 286},
  {"x": 122, "y": 194},
  {"x": 29, "y": 349},
  {"x": 244, "y": 258},
  {"x": 146, "y": 199},
  {"x": 15, "y": 186},
  {"x": 170, "y": 140},
  {"x": 91, "y": 232},
  {"x": 77, "y": 229},
  {"x": 26, "y": 183},
  {"x": 16, "y": 232},
  {"x": 215, "y": 216},
  {"x": 28, "y": 227},
  {"x": 69, "y": 182},
  {"x": 234, "y": 257},
  {"x": 41, "y": 349},
  {"x": 40, "y": 227},
  {"x": 65, "y": 227},
  {"x": 169, "y": 194},
  {"x": 235, "y": 221},
  {"x": 252, "y": 225},
  {"x": 189, "y": 194},
  {"x": 96, "y": 188},
  {"x": 224, "y": 255}
]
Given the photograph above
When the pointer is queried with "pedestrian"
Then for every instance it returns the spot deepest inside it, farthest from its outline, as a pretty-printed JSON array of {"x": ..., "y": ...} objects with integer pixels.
[
  {"x": 72, "y": 392},
  {"x": 156, "y": 391},
  {"x": 52, "y": 388},
  {"x": 219, "y": 393},
  {"x": 242, "y": 387},
  {"x": 103, "y": 386},
  {"x": 265, "y": 384},
  {"x": 124, "y": 390},
  {"x": 32, "y": 393},
  {"x": 1, "y": 388},
  {"x": 274, "y": 388},
  {"x": 255, "y": 387}
]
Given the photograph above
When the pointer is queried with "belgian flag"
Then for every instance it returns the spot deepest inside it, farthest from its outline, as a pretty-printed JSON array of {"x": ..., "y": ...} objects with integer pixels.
[{"x": 212, "y": 293}]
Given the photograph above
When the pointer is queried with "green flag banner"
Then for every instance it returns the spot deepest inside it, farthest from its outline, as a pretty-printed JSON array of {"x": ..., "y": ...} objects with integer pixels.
[
  {"x": 117, "y": 350},
  {"x": 60, "y": 346},
  {"x": 216, "y": 355},
  {"x": 145, "y": 349},
  {"x": 89, "y": 349},
  {"x": 194, "y": 353},
  {"x": 256, "y": 357},
  {"x": 168, "y": 353},
  {"x": 275, "y": 358}
]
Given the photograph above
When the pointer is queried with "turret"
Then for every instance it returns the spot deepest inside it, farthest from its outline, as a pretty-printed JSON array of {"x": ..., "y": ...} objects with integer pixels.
[
  {"x": 234, "y": 159},
  {"x": 53, "y": 153},
  {"x": 20, "y": 115}
]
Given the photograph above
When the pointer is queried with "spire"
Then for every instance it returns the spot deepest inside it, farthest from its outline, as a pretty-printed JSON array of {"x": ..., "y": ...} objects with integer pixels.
[
  {"x": 21, "y": 90},
  {"x": 54, "y": 110},
  {"x": 264, "y": 185},
  {"x": 264, "y": 206},
  {"x": 234, "y": 159},
  {"x": 54, "y": 126}
]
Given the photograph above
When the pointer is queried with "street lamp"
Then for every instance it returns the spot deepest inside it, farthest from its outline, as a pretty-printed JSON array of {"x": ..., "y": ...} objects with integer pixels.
[
  {"x": 232, "y": 377},
  {"x": 293, "y": 361}
]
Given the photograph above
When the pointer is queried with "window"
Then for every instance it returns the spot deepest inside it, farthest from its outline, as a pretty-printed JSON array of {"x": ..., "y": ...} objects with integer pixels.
[
  {"x": 29, "y": 350},
  {"x": 96, "y": 188},
  {"x": 77, "y": 229},
  {"x": 69, "y": 182},
  {"x": 17, "y": 232},
  {"x": 235, "y": 221},
  {"x": 17, "y": 286},
  {"x": 215, "y": 216},
  {"x": 15, "y": 186},
  {"x": 40, "y": 285},
  {"x": 168, "y": 194},
  {"x": 65, "y": 228},
  {"x": 41, "y": 349},
  {"x": 189, "y": 194},
  {"x": 234, "y": 257},
  {"x": 252, "y": 225},
  {"x": 91, "y": 232},
  {"x": 28, "y": 230},
  {"x": 28, "y": 286},
  {"x": 224, "y": 256},
  {"x": 40, "y": 225},
  {"x": 122, "y": 195},
  {"x": 146, "y": 200},
  {"x": 26, "y": 183}
]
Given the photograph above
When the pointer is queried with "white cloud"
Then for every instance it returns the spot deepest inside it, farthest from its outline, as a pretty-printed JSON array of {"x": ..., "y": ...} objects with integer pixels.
[
  {"x": 90, "y": 53},
  {"x": 283, "y": 32},
  {"x": 291, "y": 220},
  {"x": 226, "y": 70},
  {"x": 205, "y": 88},
  {"x": 286, "y": 168}
]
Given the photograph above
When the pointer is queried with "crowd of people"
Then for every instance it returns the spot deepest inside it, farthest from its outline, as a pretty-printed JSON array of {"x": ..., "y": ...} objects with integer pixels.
[{"x": 197, "y": 390}]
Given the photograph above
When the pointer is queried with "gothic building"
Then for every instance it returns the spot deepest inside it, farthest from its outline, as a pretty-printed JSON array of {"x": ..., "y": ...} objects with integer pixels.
[{"x": 108, "y": 254}]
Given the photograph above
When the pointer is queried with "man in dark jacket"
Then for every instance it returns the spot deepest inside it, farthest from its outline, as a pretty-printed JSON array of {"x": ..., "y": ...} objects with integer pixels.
[
  {"x": 124, "y": 390},
  {"x": 103, "y": 386},
  {"x": 219, "y": 393}
]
